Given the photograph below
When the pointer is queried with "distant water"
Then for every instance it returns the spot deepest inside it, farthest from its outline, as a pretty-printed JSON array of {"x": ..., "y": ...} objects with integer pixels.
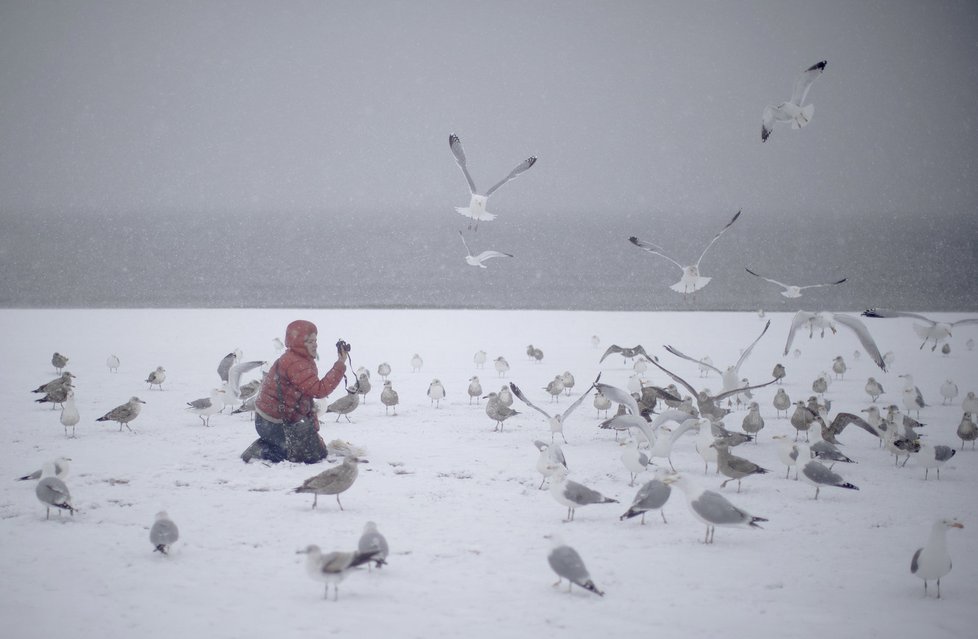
[{"x": 415, "y": 260}]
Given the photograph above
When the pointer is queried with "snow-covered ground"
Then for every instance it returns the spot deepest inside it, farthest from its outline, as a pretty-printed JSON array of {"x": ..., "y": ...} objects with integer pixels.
[{"x": 458, "y": 502}]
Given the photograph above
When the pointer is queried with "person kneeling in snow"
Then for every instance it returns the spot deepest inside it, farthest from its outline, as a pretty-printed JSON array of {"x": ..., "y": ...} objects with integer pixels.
[{"x": 285, "y": 412}]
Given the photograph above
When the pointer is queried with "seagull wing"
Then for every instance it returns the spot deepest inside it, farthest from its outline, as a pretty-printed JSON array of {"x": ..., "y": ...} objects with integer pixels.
[
  {"x": 456, "y": 145},
  {"x": 676, "y": 378},
  {"x": 684, "y": 356},
  {"x": 570, "y": 409},
  {"x": 970, "y": 320},
  {"x": 829, "y": 284},
  {"x": 717, "y": 237},
  {"x": 614, "y": 348},
  {"x": 767, "y": 123},
  {"x": 888, "y": 314},
  {"x": 520, "y": 168},
  {"x": 800, "y": 318},
  {"x": 465, "y": 244},
  {"x": 235, "y": 373},
  {"x": 485, "y": 255},
  {"x": 864, "y": 337},
  {"x": 805, "y": 80},
  {"x": 767, "y": 279},
  {"x": 653, "y": 249},
  {"x": 616, "y": 394},
  {"x": 519, "y": 394},
  {"x": 717, "y": 398},
  {"x": 748, "y": 350}
]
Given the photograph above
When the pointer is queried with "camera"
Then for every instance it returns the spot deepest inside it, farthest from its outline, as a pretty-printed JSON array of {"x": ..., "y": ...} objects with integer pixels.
[{"x": 342, "y": 346}]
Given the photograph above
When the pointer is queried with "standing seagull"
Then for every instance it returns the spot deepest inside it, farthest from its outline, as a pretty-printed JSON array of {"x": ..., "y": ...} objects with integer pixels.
[
  {"x": 388, "y": 397},
  {"x": 790, "y": 290},
  {"x": 793, "y": 110},
  {"x": 164, "y": 533},
  {"x": 652, "y": 495},
  {"x": 207, "y": 406},
  {"x": 712, "y": 508},
  {"x": 52, "y": 492},
  {"x": 573, "y": 494},
  {"x": 477, "y": 205},
  {"x": 933, "y": 330},
  {"x": 496, "y": 411},
  {"x": 568, "y": 565},
  {"x": 332, "y": 567},
  {"x": 477, "y": 260},
  {"x": 332, "y": 481},
  {"x": 123, "y": 414},
  {"x": 371, "y": 541},
  {"x": 691, "y": 280},
  {"x": 346, "y": 404},
  {"x": 436, "y": 391},
  {"x": 155, "y": 378},
  {"x": 58, "y": 361},
  {"x": 113, "y": 363},
  {"x": 69, "y": 413},
  {"x": 933, "y": 561},
  {"x": 818, "y": 474}
]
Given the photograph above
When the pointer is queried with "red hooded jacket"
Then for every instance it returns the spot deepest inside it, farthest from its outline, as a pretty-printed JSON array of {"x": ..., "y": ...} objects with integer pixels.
[{"x": 292, "y": 383}]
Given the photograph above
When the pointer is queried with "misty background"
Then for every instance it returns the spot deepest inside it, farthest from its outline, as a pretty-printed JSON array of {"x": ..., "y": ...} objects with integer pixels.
[{"x": 239, "y": 154}]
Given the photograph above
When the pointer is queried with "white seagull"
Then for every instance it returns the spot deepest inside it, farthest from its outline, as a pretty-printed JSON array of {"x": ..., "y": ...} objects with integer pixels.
[
  {"x": 477, "y": 205},
  {"x": 477, "y": 260},
  {"x": 825, "y": 320},
  {"x": 790, "y": 290},
  {"x": 691, "y": 280},
  {"x": 793, "y": 110},
  {"x": 164, "y": 533},
  {"x": 712, "y": 508},
  {"x": 933, "y": 561},
  {"x": 933, "y": 330},
  {"x": 332, "y": 567},
  {"x": 556, "y": 421}
]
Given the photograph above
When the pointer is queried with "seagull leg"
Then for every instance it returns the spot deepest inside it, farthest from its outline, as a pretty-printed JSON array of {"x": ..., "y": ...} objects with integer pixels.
[
  {"x": 663, "y": 517},
  {"x": 338, "y": 502}
]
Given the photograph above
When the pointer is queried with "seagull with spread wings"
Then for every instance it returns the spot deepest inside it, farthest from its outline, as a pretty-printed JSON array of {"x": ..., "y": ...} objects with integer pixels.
[
  {"x": 790, "y": 290},
  {"x": 792, "y": 110},
  {"x": 477, "y": 205},
  {"x": 691, "y": 280},
  {"x": 477, "y": 260},
  {"x": 823, "y": 320},
  {"x": 932, "y": 330}
]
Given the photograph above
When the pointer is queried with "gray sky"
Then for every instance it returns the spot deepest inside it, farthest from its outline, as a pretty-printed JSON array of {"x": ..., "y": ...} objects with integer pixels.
[{"x": 641, "y": 107}]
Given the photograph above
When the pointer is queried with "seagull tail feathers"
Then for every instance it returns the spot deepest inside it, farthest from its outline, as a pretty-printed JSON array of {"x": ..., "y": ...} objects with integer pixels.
[
  {"x": 754, "y": 520},
  {"x": 589, "y": 585}
]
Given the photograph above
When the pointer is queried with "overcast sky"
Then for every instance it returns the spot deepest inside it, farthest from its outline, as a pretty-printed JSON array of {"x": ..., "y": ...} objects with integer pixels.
[{"x": 636, "y": 106}]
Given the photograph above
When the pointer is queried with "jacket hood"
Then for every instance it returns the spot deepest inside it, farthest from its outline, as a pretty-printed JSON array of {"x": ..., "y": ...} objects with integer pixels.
[{"x": 296, "y": 334}]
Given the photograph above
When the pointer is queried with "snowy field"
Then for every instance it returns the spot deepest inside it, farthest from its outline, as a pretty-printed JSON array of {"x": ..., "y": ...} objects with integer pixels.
[{"x": 459, "y": 503}]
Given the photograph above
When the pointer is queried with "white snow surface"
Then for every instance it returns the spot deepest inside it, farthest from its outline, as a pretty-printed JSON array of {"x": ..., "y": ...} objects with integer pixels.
[{"x": 457, "y": 502}]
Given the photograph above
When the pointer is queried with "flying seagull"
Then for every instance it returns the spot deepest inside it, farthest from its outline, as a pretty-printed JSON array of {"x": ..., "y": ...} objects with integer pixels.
[
  {"x": 477, "y": 205},
  {"x": 477, "y": 260},
  {"x": 790, "y": 290},
  {"x": 823, "y": 320},
  {"x": 691, "y": 280},
  {"x": 933, "y": 330},
  {"x": 792, "y": 111}
]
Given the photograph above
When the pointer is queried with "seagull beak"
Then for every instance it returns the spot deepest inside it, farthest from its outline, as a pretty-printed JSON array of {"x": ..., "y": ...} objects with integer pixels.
[{"x": 957, "y": 524}]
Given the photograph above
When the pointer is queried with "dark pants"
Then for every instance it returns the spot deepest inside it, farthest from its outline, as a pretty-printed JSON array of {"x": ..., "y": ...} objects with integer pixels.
[{"x": 297, "y": 442}]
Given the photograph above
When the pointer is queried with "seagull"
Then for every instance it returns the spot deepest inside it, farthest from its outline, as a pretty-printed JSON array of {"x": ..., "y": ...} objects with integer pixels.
[
  {"x": 155, "y": 378},
  {"x": 502, "y": 366},
  {"x": 164, "y": 533},
  {"x": 626, "y": 352},
  {"x": 371, "y": 541},
  {"x": 753, "y": 422},
  {"x": 839, "y": 366},
  {"x": 551, "y": 456},
  {"x": 731, "y": 376},
  {"x": 652, "y": 495},
  {"x": 793, "y": 110},
  {"x": 791, "y": 454},
  {"x": 634, "y": 461},
  {"x": 61, "y": 466},
  {"x": 733, "y": 466},
  {"x": 568, "y": 565},
  {"x": 58, "y": 361},
  {"x": 823, "y": 320},
  {"x": 207, "y": 406},
  {"x": 52, "y": 492},
  {"x": 933, "y": 561},
  {"x": 479, "y": 359},
  {"x": 556, "y": 421},
  {"x": 949, "y": 390},
  {"x": 123, "y": 414},
  {"x": 778, "y": 372},
  {"x": 224, "y": 366},
  {"x": 477, "y": 205},
  {"x": 332, "y": 481},
  {"x": 475, "y": 389},
  {"x": 388, "y": 397},
  {"x": 416, "y": 363},
  {"x": 232, "y": 384},
  {"x": 913, "y": 399},
  {"x": 874, "y": 389},
  {"x": 477, "y": 260},
  {"x": 58, "y": 382},
  {"x": 113, "y": 363},
  {"x": 601, "y": 403},
  {"x": 57, "y": 395},
  {"x": 967, "y": 430},
  {"x": 69, "y": 413},
  {"x": 712, "y": 508},
  {"x": 567, "y": 378},
  {"x": 363, "y": 385},
  {"x": 818, "y": 474},
  {"x": 970, "y": 404},
  {"x": 496, "y": 411},
  {"x": 505, "y": 396},
  {"x": 933, "y": 330},
  {"x": 345, "y": 405},
  {"x": 782, "y": 402},
  {"x": 573, "y": 494},
  {"x": 383, "y": 369},
  {"x": 691, "y": 280},
  {"x": 555, "y": 387},
  {"x": 790, "y": 290},
  {"x": 332, "y": 567},
  {"x": 933, "y": 456},
  {"x": 436, "y": 392}
]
